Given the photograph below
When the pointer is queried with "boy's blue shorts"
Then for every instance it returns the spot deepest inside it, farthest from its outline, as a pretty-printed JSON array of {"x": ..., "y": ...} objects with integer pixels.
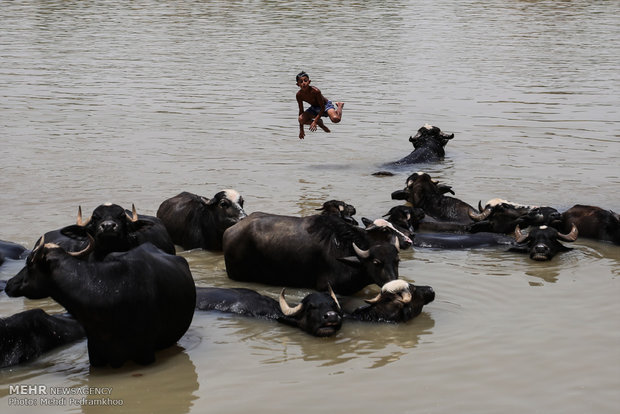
[{"x": 314, "y": 110}]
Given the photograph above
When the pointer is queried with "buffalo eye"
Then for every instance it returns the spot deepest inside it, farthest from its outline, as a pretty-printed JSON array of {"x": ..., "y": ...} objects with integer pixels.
[
  {"x": 376, "y": 262},
  {"x": 224, "y": 203}
]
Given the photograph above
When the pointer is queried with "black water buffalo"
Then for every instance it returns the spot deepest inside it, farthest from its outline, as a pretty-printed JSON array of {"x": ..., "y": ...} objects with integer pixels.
[
  {"x": 542, "y": 243},
  {"x": 10, "y": 250},
  {"x": 501, "y": 216},
  {"x": 341, "y": 209},
  {"x": 398, "y": 301},
  {"x": 130, "y": 303},
  {"x": 592, "y": 222},
  {"x": 311, "y": 252},
  {"x": 26, "y": 335},
  {"x": 442, "y": 213},
  {"x": 318, "y": 314},
  {"x": 114, "y": 230},
  {"x": 428, "y": 146},
  {"x": 194, "y": 221}
]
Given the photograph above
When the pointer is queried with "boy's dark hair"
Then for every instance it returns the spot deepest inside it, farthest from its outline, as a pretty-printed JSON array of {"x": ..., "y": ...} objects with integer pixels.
[{"x": 301, "y": 75}]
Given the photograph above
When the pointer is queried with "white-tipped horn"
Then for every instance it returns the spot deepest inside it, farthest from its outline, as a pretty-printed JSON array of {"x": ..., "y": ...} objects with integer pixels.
[
  {"x": 570, "y": 237},
  {"x": 520, "y": 237},
  {"x": 286, "y": 309},
  {"x": 80, "y": 222},
  {"x": 134, "y": 214},
  {"x": 333, "y": 295},
  {"x": 362, "y": 254}
]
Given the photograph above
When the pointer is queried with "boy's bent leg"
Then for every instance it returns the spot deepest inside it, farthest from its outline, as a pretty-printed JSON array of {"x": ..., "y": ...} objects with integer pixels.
[{"x": 335, "y": 115}]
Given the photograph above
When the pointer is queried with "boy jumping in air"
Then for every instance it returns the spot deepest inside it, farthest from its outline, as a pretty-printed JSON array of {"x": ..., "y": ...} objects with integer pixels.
[{"x": 319, "y": 106}]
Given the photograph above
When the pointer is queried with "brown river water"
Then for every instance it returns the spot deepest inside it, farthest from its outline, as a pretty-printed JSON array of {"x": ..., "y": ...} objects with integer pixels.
[{"x": 135, "y": 102}]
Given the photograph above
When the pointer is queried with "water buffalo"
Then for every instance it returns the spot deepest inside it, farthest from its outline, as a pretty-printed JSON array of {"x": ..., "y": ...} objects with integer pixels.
[
  {"x": 318, "y": 314},
  {"x": 398, "y": 301},
  {"x": 26, "y": 335},
  {"x": 428, "y": 146},
  {"x": 129, "y": 303},
  {"x": 341, "y": 209},
  {"x": 10, "y": 250},
  {"x": 114, "y": 230},
  {"x": 501, "y": 216},
  {"x": 593, "y": 222},
  {"x": 442, "y": 213},
  {"x": 194, "y": 221},
  {"x": 311, "y": 252},
  {"x": 542, "y": 243}
]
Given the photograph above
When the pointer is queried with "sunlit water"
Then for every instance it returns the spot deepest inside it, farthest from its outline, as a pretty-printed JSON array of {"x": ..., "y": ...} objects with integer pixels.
[{"x": 133, "y": 103}]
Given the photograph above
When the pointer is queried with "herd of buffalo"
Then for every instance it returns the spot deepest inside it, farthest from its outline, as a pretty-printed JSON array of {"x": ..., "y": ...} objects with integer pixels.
[{"x": 125, "y": 289}]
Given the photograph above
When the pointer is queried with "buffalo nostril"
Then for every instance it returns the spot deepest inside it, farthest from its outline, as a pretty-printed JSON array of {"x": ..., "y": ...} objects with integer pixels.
[{"x": 331, "y": 316}]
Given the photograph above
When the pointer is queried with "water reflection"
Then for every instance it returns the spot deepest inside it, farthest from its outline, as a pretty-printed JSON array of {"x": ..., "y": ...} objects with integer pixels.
[{"x": 373, "y": 345}]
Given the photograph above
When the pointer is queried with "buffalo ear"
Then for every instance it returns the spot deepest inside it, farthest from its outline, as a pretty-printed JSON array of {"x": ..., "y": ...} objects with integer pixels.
[
  {"x": 74, "y": 232},
  {"x": 367, "y": 222},
  {"x": 350, "y": 260}
]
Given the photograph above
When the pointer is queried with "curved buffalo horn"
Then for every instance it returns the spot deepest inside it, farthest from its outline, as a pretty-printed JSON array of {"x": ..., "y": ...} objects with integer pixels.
[
  {"x": 362, "y": 254},
  {"x": 483, "y": 215},
  {"x": 37, "y": 252},
  {"x": 570, "y": 237},
  {"x": 134, "y": 214},
  {"x": 520, "y": 236},
  {"x": 79, "y": 221},
  {"x": 86, "y": 250},
  {"x": 373, "y": 300},
  {"x": 286, "y": 309},
  {"x": 333, "y": 295}
]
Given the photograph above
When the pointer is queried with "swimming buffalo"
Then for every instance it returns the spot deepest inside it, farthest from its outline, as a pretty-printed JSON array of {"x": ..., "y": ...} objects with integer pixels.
[
  {"x": 501, "y": 216},
  {"x": 398, "y": 301},
  {"x": 318, "y": 314},
  {"x": 542, "y": 243},
  {"x": 442, "y": 212},
  {"x": 428, "y": 146},
  {"x": 313, "y": 252},
  {"x": 593, "y": 222},
  {"x": 26, "y": 335},
  {"x": 194, "y": 221},
  {"x": 129, "y": 303}
]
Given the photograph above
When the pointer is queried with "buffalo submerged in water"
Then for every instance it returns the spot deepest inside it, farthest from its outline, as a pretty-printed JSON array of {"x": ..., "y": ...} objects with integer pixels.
[{"x": 313, "y": 252}]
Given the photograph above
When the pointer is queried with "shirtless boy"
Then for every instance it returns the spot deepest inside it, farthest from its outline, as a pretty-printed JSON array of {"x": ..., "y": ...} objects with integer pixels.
[{"x": 319, "y": 106}]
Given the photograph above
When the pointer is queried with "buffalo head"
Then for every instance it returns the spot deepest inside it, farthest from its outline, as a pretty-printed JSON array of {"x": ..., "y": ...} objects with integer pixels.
[
  {"x": 382, "y": 230},
  {"x": 319, "y": 314},
  {"x": 34, "y": 281},
  {"x": 340, "y": 209},
  {"x": 542, "y": 243},
  {"x": 227, "y": 207},
  {"x": 429, "y": 133},
  {"x": 398, "y": 301}
]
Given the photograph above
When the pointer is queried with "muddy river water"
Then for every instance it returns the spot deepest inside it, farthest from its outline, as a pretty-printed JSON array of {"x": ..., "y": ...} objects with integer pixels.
[{"x": 135, "y": 102}]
